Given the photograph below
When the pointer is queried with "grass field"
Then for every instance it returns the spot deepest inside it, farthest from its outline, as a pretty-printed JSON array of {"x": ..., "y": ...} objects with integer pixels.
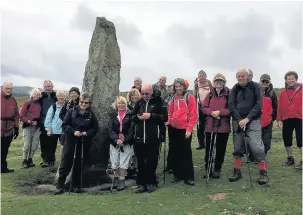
[{"x": 281, "y": 196}]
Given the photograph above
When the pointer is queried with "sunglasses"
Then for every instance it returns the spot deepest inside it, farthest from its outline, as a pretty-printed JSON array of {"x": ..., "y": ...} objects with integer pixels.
[
  {"x": 265, "y": 81},
  {"x": 83, "y": 102}
]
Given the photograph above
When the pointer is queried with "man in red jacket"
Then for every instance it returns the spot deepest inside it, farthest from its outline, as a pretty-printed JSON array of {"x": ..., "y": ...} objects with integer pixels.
[
  {"x": 290, "y": 115},
  {"x": 9, "y": 123}
]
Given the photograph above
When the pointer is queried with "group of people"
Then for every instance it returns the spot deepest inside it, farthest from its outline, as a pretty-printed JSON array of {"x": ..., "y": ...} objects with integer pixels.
[{"x": 139, "y": 123}]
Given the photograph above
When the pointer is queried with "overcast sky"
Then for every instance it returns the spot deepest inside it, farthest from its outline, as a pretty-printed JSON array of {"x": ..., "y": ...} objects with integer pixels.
[{"x": 41, "y": 40}]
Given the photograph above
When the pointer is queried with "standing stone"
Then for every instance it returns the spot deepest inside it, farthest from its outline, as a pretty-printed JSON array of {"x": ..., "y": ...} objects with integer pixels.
[{"x": 101, "y": 81}]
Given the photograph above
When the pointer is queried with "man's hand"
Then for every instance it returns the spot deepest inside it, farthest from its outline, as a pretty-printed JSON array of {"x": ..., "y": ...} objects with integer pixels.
[
  {"x": 29, "y": 122},
  {"x": 84, "y": 134},
  {"x": 49, "y": 133},
  {"x": 140, "y": 117},
  {"x": 34, "y": 123},
  {"x": 187, "y": 134},
  {"x": 243, "y": 123},
  {"x": 77, "y": 133},
  {"x": 119, "y": 142},
  {"x": 146, "y": 115},
  {"x": 16, "y": 132},
  {"x": 280, "y": 124}
]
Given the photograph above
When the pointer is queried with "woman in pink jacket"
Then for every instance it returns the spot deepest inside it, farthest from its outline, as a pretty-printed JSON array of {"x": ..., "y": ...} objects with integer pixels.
[
  {"x": 182, "y": 117},
  {"x": 217, "y": 125}
]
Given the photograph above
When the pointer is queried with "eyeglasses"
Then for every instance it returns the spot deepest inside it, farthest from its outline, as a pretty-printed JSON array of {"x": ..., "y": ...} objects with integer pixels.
[
  {"x": 265, "y": 81},
  {"x": 83, "y": 102}
]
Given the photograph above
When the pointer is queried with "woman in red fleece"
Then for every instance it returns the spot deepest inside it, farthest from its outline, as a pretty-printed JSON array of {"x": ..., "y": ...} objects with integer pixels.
[
  {"x": 289, "y": 115},
  {"x": 182, "y": 117},
  {"x": 30, "y": 116}
]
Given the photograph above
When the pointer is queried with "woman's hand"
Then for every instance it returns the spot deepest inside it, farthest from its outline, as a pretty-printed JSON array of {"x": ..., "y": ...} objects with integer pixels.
[{"x": 77, "y": 133}]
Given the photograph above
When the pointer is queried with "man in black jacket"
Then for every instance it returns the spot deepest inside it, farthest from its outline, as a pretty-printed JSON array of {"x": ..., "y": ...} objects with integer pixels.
[
  {"x": 148, "y": 115},
  {"x": 245, "y": 102},
  {"x": 47, "y": 99}
]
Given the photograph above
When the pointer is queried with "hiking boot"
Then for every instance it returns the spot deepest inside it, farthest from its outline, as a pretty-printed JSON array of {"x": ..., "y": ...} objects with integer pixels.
[
  {"x": 290, "y": 161},
  {"x": 151, "y": 188},
  {"x": 121, "y": 185},
  {"x": 77, "y": 190},
  {"x": 236, "y": 175},
  {"x": 6, "y": 170},
  {"x": 30, "y": 162},
  {"x": 45, "y": 164},
  {"x": 216, "y": 174},
  {"x": 263, "y": 177},
  {"x": 24, "y": 164},
  {"x": 189, "y": 182},
  {"x": 51, "y": 164},
  {"x": 141, "y": 189},
  {"x": 176, "y": 180},
  {"x": 299, "y": 167},
  {"x": 205, "y": 174}
]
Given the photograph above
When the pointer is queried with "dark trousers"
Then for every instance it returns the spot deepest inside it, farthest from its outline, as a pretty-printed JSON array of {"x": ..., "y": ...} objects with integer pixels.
[
  {"x": 5, "y": 144},
  {"x": 147, "y": 158},
  {"x": 50, "y": 149},
  {"x": 169, "y": 164},
  {"x": 221, "y": 143},
  {"x": 267, "y": 136},
  {"x": 68, "y": 157},
  {"x": 44, "y": 142},
  {"x": 289, "y": 125},
  {"x": 200, "y": 129},
  {"x": 183, "y": 168}
]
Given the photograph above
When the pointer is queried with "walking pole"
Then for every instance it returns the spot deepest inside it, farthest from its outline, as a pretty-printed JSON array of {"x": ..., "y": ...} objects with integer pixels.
[
  {"x": 72, "y": 170},
  {"x": 247, "y": 154},
  {"x": 81, "y": 177},
  {"x": 211, "y": 152},
  {"x": 164, "y": 161}
]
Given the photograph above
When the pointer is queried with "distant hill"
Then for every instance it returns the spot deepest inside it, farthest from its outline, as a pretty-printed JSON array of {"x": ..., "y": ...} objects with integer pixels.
[{"x": 21, "y": 91}]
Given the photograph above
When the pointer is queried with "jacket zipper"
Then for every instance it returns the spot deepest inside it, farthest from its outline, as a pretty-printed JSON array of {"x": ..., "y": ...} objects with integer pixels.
[{"x": 144, "y": 136}]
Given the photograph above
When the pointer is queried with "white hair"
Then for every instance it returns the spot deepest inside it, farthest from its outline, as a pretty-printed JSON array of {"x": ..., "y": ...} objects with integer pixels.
[
  {"x": 138, "y": 78},
  {"x": 62, "y": 92},
  {"x": 242, "y": 70},
  {"x": 34, "y": 91}
]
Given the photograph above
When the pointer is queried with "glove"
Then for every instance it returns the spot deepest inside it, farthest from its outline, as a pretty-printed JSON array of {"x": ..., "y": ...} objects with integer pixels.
[{"x": 16, "y": 132}]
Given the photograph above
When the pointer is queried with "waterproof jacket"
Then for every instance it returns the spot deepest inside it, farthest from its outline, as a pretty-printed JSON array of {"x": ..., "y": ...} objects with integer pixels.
[
  {"x": 83, "y": 122},
  {"x": 270, "y": 93},
  {"x": 267, "y": 111},
  {"x": 290, "y": 103},
  {"x": 115, "y": 128},
  {"x": 68, "y": 105},
  {"x": 9, "y": 115},
  {"x": 182, "y": 113},
  {"x": 52, "y": 121},
  {"x": 30, "y": 110},
  {"x": 149, "y": 129},
  {"x": 245, "y": 101},
  {"x": 213, "y": 102},
  {"x": 46, "y": 101}
]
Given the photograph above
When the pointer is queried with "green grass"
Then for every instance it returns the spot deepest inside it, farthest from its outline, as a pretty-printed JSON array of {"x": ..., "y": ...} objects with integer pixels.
[{"x": 281, "y": 196}]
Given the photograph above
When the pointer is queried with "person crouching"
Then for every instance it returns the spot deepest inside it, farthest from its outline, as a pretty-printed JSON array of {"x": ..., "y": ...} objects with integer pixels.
[
  {"x": 80, "y": 125},
  {"x": 121, "y": 134}
]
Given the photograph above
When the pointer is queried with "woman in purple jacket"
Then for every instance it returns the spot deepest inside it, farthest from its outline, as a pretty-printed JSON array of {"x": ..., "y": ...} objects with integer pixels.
[{"x": 217, "y": 125}]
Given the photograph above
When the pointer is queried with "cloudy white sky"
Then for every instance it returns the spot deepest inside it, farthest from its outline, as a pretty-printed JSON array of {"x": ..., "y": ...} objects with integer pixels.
[{"x": 50, "y": 40}]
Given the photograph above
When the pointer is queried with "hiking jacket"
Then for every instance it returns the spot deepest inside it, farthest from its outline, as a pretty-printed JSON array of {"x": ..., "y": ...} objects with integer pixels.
[
  {"x": 52, "y": 121},
  {"x": 75, "y": 121},
  {"x": 68, "y": 105},
  {"x": 115, "y": 128},
  {"x": 214, "y": 102},
  {"x": 245, "y": 101},
  {"x": 182, "y": 114},
  {"x": 30, "y": 110},
  {"x": 290, "y": 103},
  {"x": 46, "y": 101},
  {"x": 9, "y": 115},
  {"x": 269, "y": 106},
  {"x": 149, "y": 129}
]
